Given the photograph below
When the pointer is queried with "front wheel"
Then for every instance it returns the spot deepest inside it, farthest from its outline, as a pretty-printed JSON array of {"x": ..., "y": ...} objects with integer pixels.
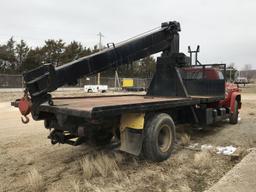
[
  {"x": 159, "y": 137},
  {"x": 233, "y": 119}
]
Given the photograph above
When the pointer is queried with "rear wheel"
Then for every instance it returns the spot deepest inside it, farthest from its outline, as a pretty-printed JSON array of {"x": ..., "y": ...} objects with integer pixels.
[
  {"x": 159, "y": 137},
  {"x": 233, "y": 119}
]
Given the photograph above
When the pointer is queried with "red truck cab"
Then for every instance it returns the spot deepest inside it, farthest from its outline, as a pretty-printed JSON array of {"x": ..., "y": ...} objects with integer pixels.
[{"x": 232, "y": 100}]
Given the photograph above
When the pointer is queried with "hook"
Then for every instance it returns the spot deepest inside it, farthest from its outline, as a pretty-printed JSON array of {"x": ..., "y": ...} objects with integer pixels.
[{"x": 26, "y": 120}]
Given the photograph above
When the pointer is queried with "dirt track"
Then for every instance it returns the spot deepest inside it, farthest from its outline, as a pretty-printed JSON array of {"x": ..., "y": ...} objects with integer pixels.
[{"x": 26, "y": 147}]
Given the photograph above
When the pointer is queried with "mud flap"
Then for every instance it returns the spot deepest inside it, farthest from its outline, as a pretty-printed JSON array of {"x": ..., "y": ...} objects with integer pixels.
[
  {"x": 131, "y": 141},
  {"x": 131, "y": 132}
]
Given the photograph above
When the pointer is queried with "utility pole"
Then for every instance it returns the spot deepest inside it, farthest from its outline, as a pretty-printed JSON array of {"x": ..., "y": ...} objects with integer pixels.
[
  {"x": 117, "y": 81},
  {"x": 100, "y": 48}
]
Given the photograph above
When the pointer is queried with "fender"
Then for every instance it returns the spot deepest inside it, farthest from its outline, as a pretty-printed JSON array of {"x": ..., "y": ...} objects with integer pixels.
[{"x": 235, "y": 96}]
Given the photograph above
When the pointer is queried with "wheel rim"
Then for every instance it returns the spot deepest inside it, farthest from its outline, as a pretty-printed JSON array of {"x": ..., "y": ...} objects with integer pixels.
[{"x": 164, "y": 138}]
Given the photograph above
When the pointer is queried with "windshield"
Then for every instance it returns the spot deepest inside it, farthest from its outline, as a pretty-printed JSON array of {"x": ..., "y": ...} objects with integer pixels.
[{"x": 221, "y": 76}]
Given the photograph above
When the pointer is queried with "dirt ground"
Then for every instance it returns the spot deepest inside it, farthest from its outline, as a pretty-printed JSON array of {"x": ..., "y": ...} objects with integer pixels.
[
  {"x": 28, "y": 162},
  {"x": 240, "y": 178}
]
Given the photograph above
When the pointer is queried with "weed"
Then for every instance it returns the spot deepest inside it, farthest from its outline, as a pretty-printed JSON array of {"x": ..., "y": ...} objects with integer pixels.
[
  {"x": 35, "y": 180},
  {"x": 185, "y": 139},
  {"x": 202, "y": 160}
]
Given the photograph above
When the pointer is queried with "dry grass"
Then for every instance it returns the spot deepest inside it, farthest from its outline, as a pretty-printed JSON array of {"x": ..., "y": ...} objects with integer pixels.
[
  {"x": 56, "y": 188},
  {"x": 117, "y": 174},
  {"x": 119, "y": 157},
  {"x": 29, "y": 160},
  {"x": 75, "y": 185},
  {"x": 35, "y": 181},
  {"x": 90, "y": 187},
  {"x": 101, "y": 164},
  {"x": 185, "y": 139},
  {"x": 177, "y": 160},
  {"x": 87, "y": 167},
  {"x": 251, "y": 141},
  {"x": 2, "y": 188},
  {"x": 202, "y": 160},
  {"x": 181, "y": 157},
  {"x": 105, "y": 164}
]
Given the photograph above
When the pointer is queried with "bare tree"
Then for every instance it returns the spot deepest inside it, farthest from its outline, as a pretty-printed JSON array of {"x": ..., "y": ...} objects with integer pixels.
[
  {"x": 248, "y": 73},
  {"x": 247, "y": 67},
  {"x": 230, "y": 72}
]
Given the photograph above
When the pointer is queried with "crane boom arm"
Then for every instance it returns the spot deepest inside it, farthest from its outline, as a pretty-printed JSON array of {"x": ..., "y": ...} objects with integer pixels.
[{"x": 47, "y": 78}]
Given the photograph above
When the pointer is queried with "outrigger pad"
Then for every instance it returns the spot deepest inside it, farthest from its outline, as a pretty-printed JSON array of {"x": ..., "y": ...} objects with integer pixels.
[{"x": 131, "y": 141}]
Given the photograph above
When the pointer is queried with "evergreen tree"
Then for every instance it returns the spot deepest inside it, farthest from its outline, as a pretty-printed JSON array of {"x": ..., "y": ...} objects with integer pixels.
[
  {"x": 53, "y": 51},
  {"x": 33, "y": 59},
  {"x": 7, "y": 56},
  {"x": 147, "y": 67},
  {"x": 16, "y": 58},
  {"x": 21, "y": 51}
]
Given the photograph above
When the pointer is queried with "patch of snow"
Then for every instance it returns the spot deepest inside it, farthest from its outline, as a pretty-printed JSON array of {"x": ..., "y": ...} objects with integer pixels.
[
  {"x": 206, "y": 147},
  {"x": 228, "y": 150}
]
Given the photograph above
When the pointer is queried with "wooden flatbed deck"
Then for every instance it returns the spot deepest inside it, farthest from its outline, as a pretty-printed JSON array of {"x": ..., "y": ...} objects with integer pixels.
[{"x": 113, "y": 105}]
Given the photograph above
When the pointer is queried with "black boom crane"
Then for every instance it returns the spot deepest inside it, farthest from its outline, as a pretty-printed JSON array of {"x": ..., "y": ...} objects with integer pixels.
[{"x": 46, "y": 78}]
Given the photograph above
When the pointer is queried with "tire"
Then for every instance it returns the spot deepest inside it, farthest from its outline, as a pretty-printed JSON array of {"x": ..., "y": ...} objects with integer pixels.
[
  {"x": 159, "y": 137},
  {"x": 233, "y": 119}
]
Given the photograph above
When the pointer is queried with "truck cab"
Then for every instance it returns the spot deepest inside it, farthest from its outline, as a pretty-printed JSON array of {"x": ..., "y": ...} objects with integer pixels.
[{"x": 232, "y": 101}]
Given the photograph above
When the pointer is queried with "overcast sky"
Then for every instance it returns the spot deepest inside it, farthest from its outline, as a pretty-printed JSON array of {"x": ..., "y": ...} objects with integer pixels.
[{"x": 225, "y": 29}]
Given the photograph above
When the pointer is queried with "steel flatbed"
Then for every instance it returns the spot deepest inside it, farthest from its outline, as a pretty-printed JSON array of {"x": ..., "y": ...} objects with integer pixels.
[{"x": 100, "y": 106}]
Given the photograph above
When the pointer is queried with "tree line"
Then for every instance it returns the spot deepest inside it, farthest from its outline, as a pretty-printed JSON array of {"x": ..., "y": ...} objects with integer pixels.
[{"x": 17, "y": 57}]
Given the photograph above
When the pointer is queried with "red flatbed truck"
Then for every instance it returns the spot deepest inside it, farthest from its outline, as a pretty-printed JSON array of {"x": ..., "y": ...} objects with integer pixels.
[{"x": 139, "y": 124}]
